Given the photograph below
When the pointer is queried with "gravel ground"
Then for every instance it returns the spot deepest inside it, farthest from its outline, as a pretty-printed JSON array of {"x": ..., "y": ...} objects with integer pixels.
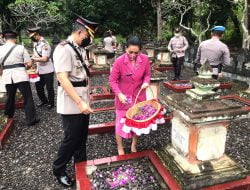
[
  {"x": 25, "y": 162},
  {"x": 102, "y": 104}
]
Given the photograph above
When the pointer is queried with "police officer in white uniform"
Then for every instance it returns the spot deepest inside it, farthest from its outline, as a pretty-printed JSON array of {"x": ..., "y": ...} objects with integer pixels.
[
  {"x": 177, "y": 47},
  {"x": 13, "y": 59},
  {"x": 214, "y": 51},
  {"x": 45, "y": 68},
  {"x": 72, "y": 97}
]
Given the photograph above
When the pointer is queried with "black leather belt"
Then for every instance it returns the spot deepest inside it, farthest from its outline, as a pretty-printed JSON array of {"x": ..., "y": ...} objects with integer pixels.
[
  {"x": 83, "y": 83},
  {"x": 13, "y": 66}
]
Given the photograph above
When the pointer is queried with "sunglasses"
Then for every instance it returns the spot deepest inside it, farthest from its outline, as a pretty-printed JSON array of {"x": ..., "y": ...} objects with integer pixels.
[{"x": 133, "y": 52}]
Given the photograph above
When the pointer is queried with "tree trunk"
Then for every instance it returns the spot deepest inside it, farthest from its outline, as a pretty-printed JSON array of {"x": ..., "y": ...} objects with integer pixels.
[
  {"x": 244, "y": 24},
  {"x": 1, "y": 25},
  {"x": 159, "y": 20}
]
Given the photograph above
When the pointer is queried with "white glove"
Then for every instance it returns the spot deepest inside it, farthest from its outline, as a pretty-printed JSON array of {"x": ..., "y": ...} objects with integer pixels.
[
  {"x": 144, "y": 86},
  {"x": 122, "y": 98}
]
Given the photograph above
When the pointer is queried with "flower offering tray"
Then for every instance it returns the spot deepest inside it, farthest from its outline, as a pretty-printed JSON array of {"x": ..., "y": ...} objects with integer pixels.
[
  {"x": 181, "y": 86},
  {"x": 178, "y": 86},
  {"x": 6, "y": 131},
  {"x": 148, "y": 172}
]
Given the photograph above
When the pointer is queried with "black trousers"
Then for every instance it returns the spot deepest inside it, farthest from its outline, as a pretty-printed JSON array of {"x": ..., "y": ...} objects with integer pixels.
[
  {"x": 74, "y": 142},
  {"x": 177, "y": 63},
  {"x": 48, "y": 81},
  {"x": 29, "y": 108}
]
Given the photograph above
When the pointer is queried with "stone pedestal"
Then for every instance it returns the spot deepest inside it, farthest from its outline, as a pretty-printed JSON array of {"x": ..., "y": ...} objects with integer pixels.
[
  {"x": 193, "y": 176},
  {"x": 198, "y": 142},
  {"x": 150, "y": 51},
  {"x": 100, "y": 57},
  {"x": 163, "y": 57},
  {"x": 199, "y": 130}
]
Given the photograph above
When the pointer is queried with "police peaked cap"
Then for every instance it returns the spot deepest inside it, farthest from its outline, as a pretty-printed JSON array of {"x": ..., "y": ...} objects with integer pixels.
[
  {"x": 33, "y": 31},
  {"x": 89, "y": 25}
]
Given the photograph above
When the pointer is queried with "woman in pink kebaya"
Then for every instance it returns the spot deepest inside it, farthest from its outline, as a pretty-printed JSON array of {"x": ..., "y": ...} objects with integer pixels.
[{"x": 130, "y": 73}]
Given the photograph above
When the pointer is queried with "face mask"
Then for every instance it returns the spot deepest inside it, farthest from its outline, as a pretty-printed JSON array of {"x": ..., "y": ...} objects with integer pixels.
[
  {"x": 177, "y": 34},
  {"x": 85, "y": 42}
]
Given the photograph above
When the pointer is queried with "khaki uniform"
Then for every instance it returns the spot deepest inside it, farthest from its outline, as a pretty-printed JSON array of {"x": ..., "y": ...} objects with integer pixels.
[
  {"x": 75, "y": 123},
  {"x": 178, "y": 46},
  {"x": 178, "y": 43},
  {"x": 108, "y": 44},
  {"x": 42, "y": 48},
  {"x": 17, "y": 78},
  {"x": 66, "y": 60},
  {"x": 18, "y": 55},
  {"x": 45, "y": 71},
  {"x": 215, "y": 52}
]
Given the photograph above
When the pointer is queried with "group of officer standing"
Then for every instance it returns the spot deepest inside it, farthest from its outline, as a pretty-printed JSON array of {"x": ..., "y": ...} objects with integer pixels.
[
  {"x": 73, "y": 92},
  {"x": 15, "y": 61},
  {"x": 73, "y": 82}
]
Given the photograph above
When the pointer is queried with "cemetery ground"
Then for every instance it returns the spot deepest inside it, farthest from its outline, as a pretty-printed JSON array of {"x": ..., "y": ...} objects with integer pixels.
[{"x": 26, "y": 160}]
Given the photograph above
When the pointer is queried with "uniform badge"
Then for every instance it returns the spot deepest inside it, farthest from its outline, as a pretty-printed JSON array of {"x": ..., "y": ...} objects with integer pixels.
[{"x": 46, "y": 47}]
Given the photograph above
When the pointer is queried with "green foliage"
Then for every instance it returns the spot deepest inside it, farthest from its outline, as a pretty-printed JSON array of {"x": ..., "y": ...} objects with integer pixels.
[
  {"x": 120, "y": 39},
  {"x": 127, "y": 17}
]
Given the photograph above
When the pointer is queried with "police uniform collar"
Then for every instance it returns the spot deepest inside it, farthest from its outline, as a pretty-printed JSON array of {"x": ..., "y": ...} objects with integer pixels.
[{"x": 70, "y": 39}]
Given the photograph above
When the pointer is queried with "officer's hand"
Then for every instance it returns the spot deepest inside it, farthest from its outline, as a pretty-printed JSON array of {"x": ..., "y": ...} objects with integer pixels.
[
  {"x": 84, "y": 108},
  {"x": 145, "y": 85},
  {"x": 122, "y": 98}
]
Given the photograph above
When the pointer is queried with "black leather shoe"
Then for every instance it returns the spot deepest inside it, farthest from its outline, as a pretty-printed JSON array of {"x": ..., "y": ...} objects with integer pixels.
[
  {"x": 50, "y": 106},
  {"x": 34, "y": 122},
  {"x": 64, "y": 180},
  {"x": 42, "y": 104}
]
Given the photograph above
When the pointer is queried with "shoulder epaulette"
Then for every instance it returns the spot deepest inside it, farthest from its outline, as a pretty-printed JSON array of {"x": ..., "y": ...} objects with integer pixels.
[{"x": 63, "y": 43}]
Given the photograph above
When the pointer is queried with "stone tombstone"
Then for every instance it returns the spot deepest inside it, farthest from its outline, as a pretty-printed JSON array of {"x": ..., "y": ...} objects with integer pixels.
[
  {"x": 241, "y": 59},
  {"x": 150, "y": 49},
  {"x": 163, "y": 56},
  {"x": 101, "y": 57}
]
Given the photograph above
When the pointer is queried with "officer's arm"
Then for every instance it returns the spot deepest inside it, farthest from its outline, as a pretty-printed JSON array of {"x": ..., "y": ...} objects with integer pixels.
[
  {"x": 226, "y": 57},
  {"x": 45, "y": 54},
  {"x": 41, "y": 59},
  {"x": 26, "y": 58},
  {"x": 170, "y": 46}
]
